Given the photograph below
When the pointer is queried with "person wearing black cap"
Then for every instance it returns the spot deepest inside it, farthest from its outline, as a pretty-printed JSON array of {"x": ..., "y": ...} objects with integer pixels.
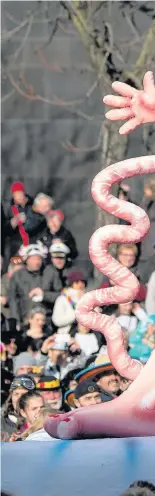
[{"x": 86, "y": 394}]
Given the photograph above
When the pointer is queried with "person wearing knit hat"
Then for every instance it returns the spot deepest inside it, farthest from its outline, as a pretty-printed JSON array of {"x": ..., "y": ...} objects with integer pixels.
[
  {"x": 16, "y": 188},
  {"x": 64, "y": 309},
  {"x": 76, "y": 277},
  {"x": 55, "y": 230},
  {"x": 23, "y": 363},
  {"x": 19, "y": 210}
]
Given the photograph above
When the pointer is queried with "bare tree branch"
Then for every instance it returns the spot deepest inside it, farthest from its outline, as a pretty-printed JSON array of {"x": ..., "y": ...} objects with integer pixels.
[
  {"x": 6, "y": 36},
  {"x": 7, "y": 96},
  {"x": 32, "y": 96},
  {"x": 45, "y": 62},
  {"x": 71, "y": 148},
  {"x": 23, "y": 43}
]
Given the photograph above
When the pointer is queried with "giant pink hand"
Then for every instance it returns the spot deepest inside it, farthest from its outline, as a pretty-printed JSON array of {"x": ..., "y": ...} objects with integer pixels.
[{"x": 137, "y": 107}]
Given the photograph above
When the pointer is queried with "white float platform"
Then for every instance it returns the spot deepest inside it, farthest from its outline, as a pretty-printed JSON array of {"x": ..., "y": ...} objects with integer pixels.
[{"x": 103, "y": 467}]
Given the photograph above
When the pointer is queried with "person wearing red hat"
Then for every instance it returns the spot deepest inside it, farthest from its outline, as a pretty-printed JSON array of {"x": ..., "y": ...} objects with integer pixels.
[
  {"x": 18, "y": 211},
  {"x": 56, "y": 230}
]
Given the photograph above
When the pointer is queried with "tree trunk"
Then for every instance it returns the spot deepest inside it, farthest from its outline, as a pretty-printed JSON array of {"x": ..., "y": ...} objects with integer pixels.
[{"x": 114, "y": 149}]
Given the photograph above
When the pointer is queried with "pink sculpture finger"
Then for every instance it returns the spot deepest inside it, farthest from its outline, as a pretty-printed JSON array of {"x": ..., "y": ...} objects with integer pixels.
[
  {"x": 133, "y": 413},
  {"x": 120, "y": 114},
  {"x": 141, "y": 104}
]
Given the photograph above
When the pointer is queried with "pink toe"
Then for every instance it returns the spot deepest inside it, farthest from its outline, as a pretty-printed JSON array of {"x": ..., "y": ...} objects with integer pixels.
[{"x": 68, "y": 428}]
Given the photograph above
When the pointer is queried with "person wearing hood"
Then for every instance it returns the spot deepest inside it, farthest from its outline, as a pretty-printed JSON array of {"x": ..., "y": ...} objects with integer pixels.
[
  {"x": 25, "y": 285},
  {"x": 65, "y": 305},
  {"x": 56, "y": 230}
]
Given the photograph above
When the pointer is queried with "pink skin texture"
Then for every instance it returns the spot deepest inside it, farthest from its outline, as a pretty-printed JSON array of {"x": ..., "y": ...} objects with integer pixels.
[{"x": 133, "y": 413}]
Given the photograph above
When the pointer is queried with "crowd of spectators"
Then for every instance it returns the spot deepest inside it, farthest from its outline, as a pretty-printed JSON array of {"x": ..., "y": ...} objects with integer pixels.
[{"x": 50, "y": 363}]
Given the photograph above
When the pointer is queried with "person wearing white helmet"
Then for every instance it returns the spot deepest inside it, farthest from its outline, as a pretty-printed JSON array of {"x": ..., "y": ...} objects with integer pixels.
[{"x": 25, "y": 285}]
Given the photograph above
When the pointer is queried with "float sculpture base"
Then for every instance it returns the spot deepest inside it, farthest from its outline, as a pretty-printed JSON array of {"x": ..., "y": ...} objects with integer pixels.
[{"x": 88, "y": 467}]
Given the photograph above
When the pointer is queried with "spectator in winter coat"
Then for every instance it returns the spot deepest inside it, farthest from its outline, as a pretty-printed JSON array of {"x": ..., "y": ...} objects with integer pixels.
[
  {"x": 58, "y": 358},
  {"x": 36, "y": 331},
  {"x": 54, "y": 278},
  {"x": 65, "y": 305},
  {"x": 56, "y": 230},
  {"x": 10, "y": 345},
  {"x": 148, "y": 204},
  {"x": 89, "y": 341},
  {"x": 129, "y": 314},
  {"x": 16, "y": 263},
  {"x": 36, "y": 221},
  {"x": 18, "y": 212},
  {"x": 25, "y": 285},
  {"x": 9, "y": 417}
]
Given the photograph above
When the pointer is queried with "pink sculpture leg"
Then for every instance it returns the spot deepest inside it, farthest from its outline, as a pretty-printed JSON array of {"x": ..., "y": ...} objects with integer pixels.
[{"x": 133, "y": 413}]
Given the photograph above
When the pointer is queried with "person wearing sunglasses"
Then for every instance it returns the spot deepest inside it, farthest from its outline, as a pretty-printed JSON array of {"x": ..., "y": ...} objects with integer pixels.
[{"x": 9, "y": 417}]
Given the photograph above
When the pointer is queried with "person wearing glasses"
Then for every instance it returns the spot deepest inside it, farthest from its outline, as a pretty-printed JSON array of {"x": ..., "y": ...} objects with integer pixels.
[{"x": 9, "y": 417}]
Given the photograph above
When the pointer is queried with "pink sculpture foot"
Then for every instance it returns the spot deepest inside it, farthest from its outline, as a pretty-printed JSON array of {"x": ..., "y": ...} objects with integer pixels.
[{"x": 133, "y": 413}]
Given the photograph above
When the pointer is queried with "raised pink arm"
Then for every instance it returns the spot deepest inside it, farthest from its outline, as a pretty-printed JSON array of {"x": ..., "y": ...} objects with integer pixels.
[{"x": 133, "y": 413}]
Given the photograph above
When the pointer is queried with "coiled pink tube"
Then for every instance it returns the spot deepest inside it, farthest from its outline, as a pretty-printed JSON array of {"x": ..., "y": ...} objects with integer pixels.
[
  {"x": 126, "y": 284},
  {"x": 133, "y": 413}
]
